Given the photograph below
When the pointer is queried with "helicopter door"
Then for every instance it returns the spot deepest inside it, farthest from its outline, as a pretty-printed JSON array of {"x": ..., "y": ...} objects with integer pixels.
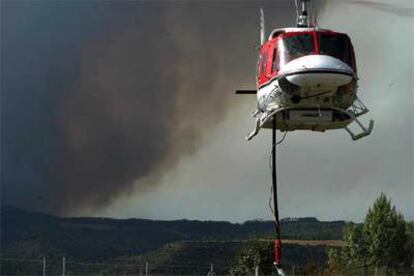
[
  {"x": 275, "y": 59},
  {"x": 265, "y": 63},
  {"x": 262, "y": 66}
]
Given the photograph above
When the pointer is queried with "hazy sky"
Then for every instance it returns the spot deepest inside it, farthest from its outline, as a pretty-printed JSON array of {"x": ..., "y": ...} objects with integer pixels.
[
  {"x": 324, "y": 175},
  {"x": 128, "y": 110}
]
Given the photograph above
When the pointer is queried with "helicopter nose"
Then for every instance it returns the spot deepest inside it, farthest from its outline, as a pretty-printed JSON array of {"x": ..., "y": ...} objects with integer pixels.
[{"x": 318, "y": 70}]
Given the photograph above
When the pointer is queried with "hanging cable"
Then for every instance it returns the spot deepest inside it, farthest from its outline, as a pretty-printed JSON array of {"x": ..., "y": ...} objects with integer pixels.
[
  {"x": 278, "y": 242},
  {"x": 271, "y": 150},
  {"x": 270, "y": 168}
]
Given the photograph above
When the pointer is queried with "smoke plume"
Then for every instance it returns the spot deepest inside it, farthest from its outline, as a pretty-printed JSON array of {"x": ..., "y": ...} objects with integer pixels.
[
  {"x": 144, "y": 96},
  {"x": 125, "y": 102},
  {"x": 319, "y": 174}
]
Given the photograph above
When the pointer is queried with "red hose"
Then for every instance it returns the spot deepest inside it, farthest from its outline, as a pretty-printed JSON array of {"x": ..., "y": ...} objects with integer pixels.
[{"x": 278, "y": 252}]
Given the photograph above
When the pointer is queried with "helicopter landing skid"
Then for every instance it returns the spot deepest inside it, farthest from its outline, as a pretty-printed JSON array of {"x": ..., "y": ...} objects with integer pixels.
[
  {"x": 255, "y": 130},
  {"x": 365, "y": 131},
  {"x": 262, "y": 120}
]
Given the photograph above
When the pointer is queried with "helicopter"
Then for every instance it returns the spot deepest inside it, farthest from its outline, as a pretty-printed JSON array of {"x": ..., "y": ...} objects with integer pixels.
[{"x": 307, "y": 79}]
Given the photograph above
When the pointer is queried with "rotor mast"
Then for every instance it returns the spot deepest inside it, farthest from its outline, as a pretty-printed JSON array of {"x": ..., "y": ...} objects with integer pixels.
[{"x": 302, "y": 20}]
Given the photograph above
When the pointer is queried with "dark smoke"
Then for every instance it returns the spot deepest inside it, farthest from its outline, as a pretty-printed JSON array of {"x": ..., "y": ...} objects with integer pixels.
[
  {"x": 142, "y": 95},
  {"x": 144, "y": 98}
]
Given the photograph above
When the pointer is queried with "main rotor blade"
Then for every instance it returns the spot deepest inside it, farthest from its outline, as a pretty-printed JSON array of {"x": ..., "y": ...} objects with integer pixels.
[
  {"x": 246, "y": 92},
  {"x": 386, "y": 7}
]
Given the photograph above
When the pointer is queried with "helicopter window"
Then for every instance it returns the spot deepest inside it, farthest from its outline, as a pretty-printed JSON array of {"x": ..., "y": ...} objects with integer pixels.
[
  {"x": 337, "y": 46},
  {"x": 263, "y": 61},
  {"x": 296, "y": 46},
  {"x": 275, "y": 66}
]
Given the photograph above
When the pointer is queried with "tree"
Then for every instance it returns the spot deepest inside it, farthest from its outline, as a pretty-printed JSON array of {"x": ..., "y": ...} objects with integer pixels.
[
  {"x": 355, "y": 249},
  {"x": 382, "y": 240},
  {"x": 254, "y": 253},
  {"x": 384, "y": 231},
  {"x": 335, "y": 261},
  {"x": 410, "y": 231}
]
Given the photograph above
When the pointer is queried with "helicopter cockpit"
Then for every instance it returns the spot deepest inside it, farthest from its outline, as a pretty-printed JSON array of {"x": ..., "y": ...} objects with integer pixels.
[
  {"x": 338, "y": 46},
  {"x": 289, "y": 46},
  {"x": 295, "y": 45}
]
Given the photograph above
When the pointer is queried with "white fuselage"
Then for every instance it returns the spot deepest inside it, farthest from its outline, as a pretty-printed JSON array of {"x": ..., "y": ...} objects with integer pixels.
[{"x": 310, "y": 83}]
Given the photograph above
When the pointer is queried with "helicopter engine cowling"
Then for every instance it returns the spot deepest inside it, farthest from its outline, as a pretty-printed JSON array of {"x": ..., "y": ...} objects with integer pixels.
[{"x": 317, "y": 71}]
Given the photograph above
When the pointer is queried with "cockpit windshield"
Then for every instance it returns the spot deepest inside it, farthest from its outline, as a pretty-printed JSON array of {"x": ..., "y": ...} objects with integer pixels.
[
  {"x": 293, "y": 46},
  {"x": 337, "y": 46},
  {"x": 296, "y": 46}
]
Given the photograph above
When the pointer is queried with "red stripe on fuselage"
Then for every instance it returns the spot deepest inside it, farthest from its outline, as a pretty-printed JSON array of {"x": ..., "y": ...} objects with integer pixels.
[{"x": 269, "y": 75}]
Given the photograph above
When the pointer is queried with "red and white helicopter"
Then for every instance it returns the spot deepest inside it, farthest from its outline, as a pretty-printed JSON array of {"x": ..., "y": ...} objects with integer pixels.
[{"x": 307, "y": 80}]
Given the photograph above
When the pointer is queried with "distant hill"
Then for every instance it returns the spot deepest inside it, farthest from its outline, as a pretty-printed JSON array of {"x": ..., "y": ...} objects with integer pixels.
[
  {"x": 27, "y": 234},
  {"x": 195, "y": 257}
]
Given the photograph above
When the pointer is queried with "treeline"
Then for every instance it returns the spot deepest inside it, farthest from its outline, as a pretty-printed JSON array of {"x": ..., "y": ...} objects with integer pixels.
[
  {"x": 178, "y": 258},
  {"x": 382, "y": 245},
  {"x": 34, "y": 235}
]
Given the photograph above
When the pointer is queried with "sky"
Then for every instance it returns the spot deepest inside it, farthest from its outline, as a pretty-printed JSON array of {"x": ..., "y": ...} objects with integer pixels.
[{"x": 127, "y": 109}]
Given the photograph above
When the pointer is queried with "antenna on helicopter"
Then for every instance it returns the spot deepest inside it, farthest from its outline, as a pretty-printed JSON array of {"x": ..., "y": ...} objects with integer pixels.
[
  {"x": 303, "y": 16},
  {"x": 262, "y": 27},
  {"x": 315, "y": 24}
]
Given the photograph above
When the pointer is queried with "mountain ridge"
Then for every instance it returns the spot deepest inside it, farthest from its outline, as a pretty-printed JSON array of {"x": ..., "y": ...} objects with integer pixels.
[{"x": 33, "y": 234}]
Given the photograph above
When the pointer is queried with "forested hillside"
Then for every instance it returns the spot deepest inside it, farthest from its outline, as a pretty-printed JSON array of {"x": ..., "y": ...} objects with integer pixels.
[
  {"x": 30, "y": 235},
  {"x": 34, "y": 234}
]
